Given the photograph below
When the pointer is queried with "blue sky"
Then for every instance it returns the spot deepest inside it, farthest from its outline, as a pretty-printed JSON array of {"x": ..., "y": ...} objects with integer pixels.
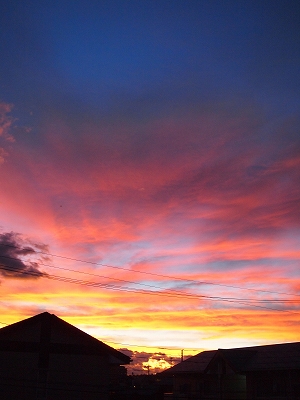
[{"x": 100, "y": 54}]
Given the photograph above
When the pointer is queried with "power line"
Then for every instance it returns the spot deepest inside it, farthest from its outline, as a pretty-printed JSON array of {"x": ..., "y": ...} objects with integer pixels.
[
  {"x": 146, "y": 273},
  {"x": 170, "y": 292},
  {"x": 173, "y": 294},
  {"x": 126, "y": 289}
]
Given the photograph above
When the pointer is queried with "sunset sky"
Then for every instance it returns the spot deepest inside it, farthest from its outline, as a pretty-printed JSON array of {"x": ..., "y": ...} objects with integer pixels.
[{"x": 150, "y": 170}]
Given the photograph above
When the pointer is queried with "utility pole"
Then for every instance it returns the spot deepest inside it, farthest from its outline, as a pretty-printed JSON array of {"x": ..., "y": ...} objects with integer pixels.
[{"x": 182, "y": 355}]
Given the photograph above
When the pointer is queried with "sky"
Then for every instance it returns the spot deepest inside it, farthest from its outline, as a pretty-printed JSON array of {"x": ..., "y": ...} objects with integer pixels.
[{"x": 150, "y": 171}]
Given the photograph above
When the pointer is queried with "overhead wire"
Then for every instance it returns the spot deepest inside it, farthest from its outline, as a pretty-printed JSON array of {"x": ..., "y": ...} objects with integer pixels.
[
  {"x": 168, "y": 291},
  {"x": 149, "y": 273},
  {"x": 174, "y": 294},
  {"x": 122, "y": 288}
]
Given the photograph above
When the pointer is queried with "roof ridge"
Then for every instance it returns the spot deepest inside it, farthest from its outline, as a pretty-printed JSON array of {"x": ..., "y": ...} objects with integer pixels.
[{"x": 52, "y": 319}]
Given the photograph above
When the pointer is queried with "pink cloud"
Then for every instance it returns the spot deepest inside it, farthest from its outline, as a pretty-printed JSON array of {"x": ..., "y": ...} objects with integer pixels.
[{"x": 6, "y": 121}]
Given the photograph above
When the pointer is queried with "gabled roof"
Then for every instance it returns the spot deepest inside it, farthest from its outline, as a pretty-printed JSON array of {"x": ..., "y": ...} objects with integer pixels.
[
  {"x": 62, "y": 337},
  {"x": 194, "y": 364},
  {"x": 276, "y": 357},
  {"x": 283, "y": 356}
]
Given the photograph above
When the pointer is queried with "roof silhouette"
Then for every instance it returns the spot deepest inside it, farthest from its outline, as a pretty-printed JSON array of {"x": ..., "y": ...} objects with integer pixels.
[
  {"x": 197, "y": 363},
  {"x": 59, "y": 336},
  {"x": 276, "y": 357}
]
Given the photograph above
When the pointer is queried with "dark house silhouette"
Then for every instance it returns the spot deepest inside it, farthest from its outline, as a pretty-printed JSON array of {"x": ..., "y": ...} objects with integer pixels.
[
  {"x": 188, "y": 376},
  {"x": 256, "y": 373},
  {"x": 44, "y": 357}
]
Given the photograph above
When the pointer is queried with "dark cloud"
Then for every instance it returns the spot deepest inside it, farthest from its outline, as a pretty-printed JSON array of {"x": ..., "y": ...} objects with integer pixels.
[{"x": 16, "y": 257}]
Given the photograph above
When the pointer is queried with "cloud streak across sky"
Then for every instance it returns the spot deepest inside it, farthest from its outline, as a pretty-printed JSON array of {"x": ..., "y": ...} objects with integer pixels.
[{"x": 155, "y": 148}]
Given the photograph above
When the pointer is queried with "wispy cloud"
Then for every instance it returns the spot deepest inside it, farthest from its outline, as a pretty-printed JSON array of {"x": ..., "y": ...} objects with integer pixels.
[{"x": 6, "y": 121}]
